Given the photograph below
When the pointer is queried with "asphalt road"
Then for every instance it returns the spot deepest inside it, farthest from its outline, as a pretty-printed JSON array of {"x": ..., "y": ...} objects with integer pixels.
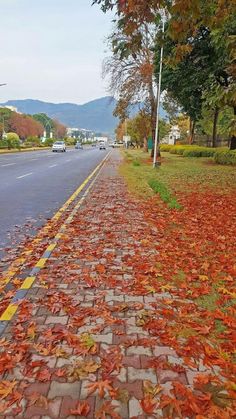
[{"x": 34, "y": 185}]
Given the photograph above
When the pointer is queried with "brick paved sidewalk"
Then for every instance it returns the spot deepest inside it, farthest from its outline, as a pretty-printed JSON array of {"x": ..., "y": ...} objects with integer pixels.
[{"x": 81, "y": 323}]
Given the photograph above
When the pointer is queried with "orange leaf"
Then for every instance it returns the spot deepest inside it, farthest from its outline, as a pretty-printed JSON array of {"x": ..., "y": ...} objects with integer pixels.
[
  {"x": 101, "y": 386},
  {"x": 82, "y": 409},
  {"x": 148, "y": 405}
]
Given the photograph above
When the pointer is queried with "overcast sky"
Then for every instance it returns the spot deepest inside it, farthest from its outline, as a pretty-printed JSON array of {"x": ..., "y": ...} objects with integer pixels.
[{"x": 52, "y": 50}]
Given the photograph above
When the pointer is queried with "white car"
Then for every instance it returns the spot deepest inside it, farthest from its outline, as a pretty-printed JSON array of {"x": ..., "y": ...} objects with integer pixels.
[
  {"x": 59, "y": 146},
  {"x": 102, "y": 145}
]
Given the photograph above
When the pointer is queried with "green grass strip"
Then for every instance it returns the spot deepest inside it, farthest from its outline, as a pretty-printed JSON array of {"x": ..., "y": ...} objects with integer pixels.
[{"x": 165, "y": 195}]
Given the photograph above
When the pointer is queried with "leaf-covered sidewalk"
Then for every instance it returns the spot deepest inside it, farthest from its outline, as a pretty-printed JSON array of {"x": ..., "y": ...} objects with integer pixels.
[{"x": 93, "y": 337}]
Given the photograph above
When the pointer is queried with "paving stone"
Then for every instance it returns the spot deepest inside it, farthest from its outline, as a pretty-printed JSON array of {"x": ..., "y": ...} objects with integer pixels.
[
  {"x": 134, "y": 408},
  {"x": 64, "y": 389},
  {"x": 142, "y": 374},
  {"x": 164, "y": 350},
  {"x": 61, "y": 362},
  {"x": 131, "y": 330},
  {"x": 41, "y": 388},
  {"x": 53, "y": 410},
  {"x": 131, "y": 321},
  {"x": 167, "y": 375},
  {"x": 84, "y": 391},
  {"x": 175, "y": 360},
  {"x": 122, "y": 376},
  {"x": 138, "y": 350},
  {"x": 57, "y": 320},
  {"x": 132, "y": 361},
  {"x": 134, "y": 298},
  {"x": 68, "y": 403},
  {"x": 103, "y": 338},
  {"x": 117, "y": 298}
]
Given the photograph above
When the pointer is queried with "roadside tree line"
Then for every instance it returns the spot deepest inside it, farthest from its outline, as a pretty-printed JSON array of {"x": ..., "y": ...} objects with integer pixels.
[
  {"x": 199, "y": 71},
  {"x": 17, "y": 129}
]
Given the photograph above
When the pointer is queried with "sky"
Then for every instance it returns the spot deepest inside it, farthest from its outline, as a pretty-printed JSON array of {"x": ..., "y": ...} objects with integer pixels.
[{"x": 52, "y": 50}]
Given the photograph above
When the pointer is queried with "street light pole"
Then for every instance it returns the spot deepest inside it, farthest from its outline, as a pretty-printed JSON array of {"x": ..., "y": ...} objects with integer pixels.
[{"x": 155, "y": 162}]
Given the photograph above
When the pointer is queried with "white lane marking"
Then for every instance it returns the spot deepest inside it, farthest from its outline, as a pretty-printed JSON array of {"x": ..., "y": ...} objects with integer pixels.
[
  {"x": 27, "y": 174},
  {"x": 68, "y": 160},
  {"x": 8, "y": 164},
  {"x": 34, "y": 159},
  {"x": 53, "y": 165}
]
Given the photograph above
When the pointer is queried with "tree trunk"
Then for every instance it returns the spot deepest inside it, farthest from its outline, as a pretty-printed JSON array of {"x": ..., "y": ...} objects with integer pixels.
[
  {"x": 214, "y": 133},
  {"x": 145, "y": 144},
  {"x": 233, "y": 137},
  {"x": 192, "y": 131},
  {"x": 233, "y": 143}
]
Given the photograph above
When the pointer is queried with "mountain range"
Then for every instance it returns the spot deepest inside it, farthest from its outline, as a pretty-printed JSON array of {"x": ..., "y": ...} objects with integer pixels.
[{"x": 96, "y": 115}]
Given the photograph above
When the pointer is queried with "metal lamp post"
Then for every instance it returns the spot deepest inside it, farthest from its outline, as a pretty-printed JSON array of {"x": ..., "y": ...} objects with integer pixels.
[{"x": 155, "y": 162}]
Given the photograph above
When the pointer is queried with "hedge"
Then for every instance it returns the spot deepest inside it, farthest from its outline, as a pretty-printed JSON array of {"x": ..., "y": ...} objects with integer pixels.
[
  {"x": 191, "y": 150},
  {"x": 225, "y": 157},
  {"x": 199, "y": 152}
]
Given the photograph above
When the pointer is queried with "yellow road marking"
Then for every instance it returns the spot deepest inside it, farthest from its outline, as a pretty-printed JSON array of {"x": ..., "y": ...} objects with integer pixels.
[
  {"x": 51, "y": 247},
  {"x": 9, "y": 312},
  {"x": 28, "y": 282},
  {"x": 41, "y": 263}
]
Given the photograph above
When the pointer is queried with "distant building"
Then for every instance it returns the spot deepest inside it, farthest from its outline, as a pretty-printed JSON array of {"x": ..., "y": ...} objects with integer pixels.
[
  {"x": 83, "y": 134},
  {"x": 72, "y": 132},
  {"x": 172, "y": 137}
]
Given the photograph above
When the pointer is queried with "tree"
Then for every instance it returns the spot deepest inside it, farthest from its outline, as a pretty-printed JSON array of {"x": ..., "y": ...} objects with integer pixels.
[
  {"x": 131, "y": 72},
  {"x": 24, "y": 125},
  {"x": 59, "y": 129},
  {"x": 120, "y": 130},
  {"x": 187, "y": 18},
  {"x": 5, "y": 115}
]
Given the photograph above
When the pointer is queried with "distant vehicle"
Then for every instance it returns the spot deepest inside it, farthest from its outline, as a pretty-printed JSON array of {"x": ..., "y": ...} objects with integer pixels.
[
  {"x": 59, "y": 146},
  {"x": 117, "y": 144},
  {"x": 78, "y": 146},
  {"x": 102, "y": 145},
  {"x": 94, "y": 145}
]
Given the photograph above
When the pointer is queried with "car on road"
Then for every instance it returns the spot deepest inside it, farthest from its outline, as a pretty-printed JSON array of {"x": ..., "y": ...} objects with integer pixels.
[
  {"x": 78, "y": 146},
  {"x": 59, "y": 146},
  {"x": 102, "y": 145}
]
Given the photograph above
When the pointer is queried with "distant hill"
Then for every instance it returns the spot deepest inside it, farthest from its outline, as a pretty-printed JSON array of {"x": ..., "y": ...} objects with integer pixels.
[{"x": 96, "y": 115}]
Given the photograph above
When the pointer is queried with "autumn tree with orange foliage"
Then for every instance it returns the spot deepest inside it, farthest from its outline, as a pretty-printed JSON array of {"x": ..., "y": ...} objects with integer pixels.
[{"x": 24, "y": 126}]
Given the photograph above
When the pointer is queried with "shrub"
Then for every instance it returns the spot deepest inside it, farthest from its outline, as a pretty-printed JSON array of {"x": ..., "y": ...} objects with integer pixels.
[
  {"x": 178, "y": 149},
  {"x": 225, "y": 157},
  {"x": 3, "y": 144},
  {"x": 32, "y": 142},
  {"x": 70, "y": 140},
  {"x": 12, "y": 141},
  {"x": 49, "y": 142},
  {"x": 199, "y": 152},
  {"x": 166, "y": 147}
]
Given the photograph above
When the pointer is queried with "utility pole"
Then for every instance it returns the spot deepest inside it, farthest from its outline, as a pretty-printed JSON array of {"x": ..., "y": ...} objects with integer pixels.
[{"x": 155, "y": 162}]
